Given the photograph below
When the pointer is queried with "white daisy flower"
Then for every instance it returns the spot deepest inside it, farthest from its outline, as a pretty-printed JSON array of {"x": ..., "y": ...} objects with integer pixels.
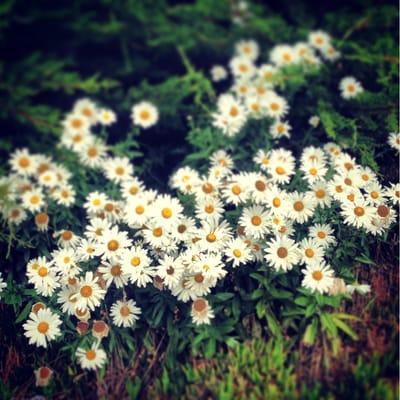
[
  {"x": 112, "y": 243},
  {"x": 282, "y": 253},
  {"x": 350, "y": 87},
  {"x": 92, "y": 358},
  {"x": 322, "y": 234},
  {"x": 311, "y": 252},
  {"x": 218, "y": 73},
  {"x": 125, "y": 313},
  {"x": 318, "y": 277},
  {"x": 201, "y": 312},
  {"x": 42, "y": 327},
  {"x": 255, "y": 221},
  {"x": 117, "y": 169},
  {"x": 144, "y": 114},
  {"x": 90, "y": 293},
  {"x": 394, "y": 140},
  {"x": 237, "y": 252},
  {"x": 170, "y": 270}
]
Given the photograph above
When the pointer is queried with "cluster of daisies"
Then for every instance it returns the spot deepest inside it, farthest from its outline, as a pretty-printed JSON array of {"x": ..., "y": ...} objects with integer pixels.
[
  {"x": 143, "y": 238},
  {"x": 253, "y": 93},
  {"x": 80, "y": 125}
]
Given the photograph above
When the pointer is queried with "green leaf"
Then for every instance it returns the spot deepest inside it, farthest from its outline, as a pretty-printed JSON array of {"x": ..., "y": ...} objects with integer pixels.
[
  {"x": 311, "y": 332},
  {"x": 24, "y": 313}
]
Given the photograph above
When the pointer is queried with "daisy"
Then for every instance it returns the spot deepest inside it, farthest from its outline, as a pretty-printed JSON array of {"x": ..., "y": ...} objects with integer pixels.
[
  {"x": 212, "y": 236},
  {"x": 157, "y": 236},
  {"x": 166, "y": 210},
  {"x": 22, "y": 162},
  {"x": 117, "y": 169},
  {"x": 301, "y": 206},
  {"x": 95, "y": 229},
  {"x": 254, "y": 220},
  {"x": 125, "y": 313},
  {"x": 112, "y": 273},
  {"x": 48, "y": 179},
  {"x": 282, "y": 253},
  {"x": 93, "y": 154},
  {"x": 374, "y": 193},
  {"x": 66, "y": 238},
  {"x": 43, "y": 376},
  {"x": 210, "y": 209},
  {"x": 314, "y": 121},
  {"x": 137, "y": 211},
  {"x": 144, "y": 114},
  {"x": 394, "y": 140},
  {"x": 76, "y": 140},
  {"x": 106, "y": 116},
  {"x": 33, "y": 200},
  {"x": 262, "y": 158},
  {"x": 322, "y": 234},
  {"x": 15, "y": 215},
  {"x": 267, "y": 72},
  {"x": 87, "y": 109},
  {"x": 237, "y": 252},
  {"x": 281, "y": 166},
  {"x": 64, "y": 195},
  {"x": 42, "y": 276},
  {"x": 210, "y": 266},
  {"x": 185, "y": 229},
  {"x": 136, "y": 265},
  {"x": 75, "y": 124},
  {"x": 170, "y": 270},
  {"x": 218, "y": 73},
  {"x": 367, "y": 176},
  {"x": 95, "y": 202},
  {"x": 185, "y": 179},
  {"x": 90, "y": 293},
  {"x": 67, "y": 297},
  {"x": 319, "y": 39},
  {"x": 42, "y": 327},
  {"x": 100, "y": 330},
  {"x": 330, "y": 53},
  {"x": 258, "y": 186},
  {"x": 283, "y": 55},
  {"x": 319, "y": 192},
  {"x": 350, "y": 87},
  {"x": 310, "y": 251},
  {"x": 280, "y": 129},
  {"x": 86, "y": 250},
  {"x": 65, "y": 262},
  {"x": 393, "y": 193},
  {"x": 201, "y": 312},
  {"x": 276, "y": 200},
  {"x": 276, "y": 106},
  {"x": 359, "y": 288},
  {"x": 235, "y": 191},
  {"x": 242, "y": 67},
  {"x": 247, "y": 48},
  {"x": 357, "y": 213},
  {"x": 313, "y": 171},
  {"x": 91, "y": 358},
  {"x": 3, "y": 284},
  {"x": 112, "y": 243},
  {"x": 318, "y": 277},
  {"x": 131, "y": 188}
]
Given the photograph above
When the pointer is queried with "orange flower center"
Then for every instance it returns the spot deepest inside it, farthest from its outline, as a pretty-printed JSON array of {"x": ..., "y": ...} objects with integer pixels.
[
  {"x": 282, "y": 252},
  {"x": 43, "y": 327},
  {"x": 86, "y": 291},
  {"x": 113, "y": 245}
]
